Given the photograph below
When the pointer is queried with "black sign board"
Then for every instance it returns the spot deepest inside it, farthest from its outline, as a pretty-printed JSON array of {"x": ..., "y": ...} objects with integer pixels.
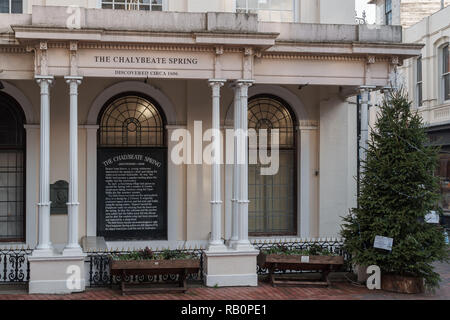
[{"x": 132, "y": 193}]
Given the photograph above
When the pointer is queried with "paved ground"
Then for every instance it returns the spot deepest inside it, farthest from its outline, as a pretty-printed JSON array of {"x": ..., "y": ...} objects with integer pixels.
[{"x": 339, "y": 291}]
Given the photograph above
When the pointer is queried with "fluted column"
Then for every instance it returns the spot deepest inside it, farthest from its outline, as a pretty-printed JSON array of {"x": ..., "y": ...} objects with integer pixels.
[
  {"x": 72, "y": 246},
  {"x": 235, "y": 192},
  {"x": 242, "y": 154},
  {"x": 216, "y": 242},
  {"x": 44, "y": 245}
]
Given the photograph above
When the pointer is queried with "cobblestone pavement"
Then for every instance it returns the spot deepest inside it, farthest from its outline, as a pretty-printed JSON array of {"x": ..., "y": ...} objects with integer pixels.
[{"x": 338, "y": 291}]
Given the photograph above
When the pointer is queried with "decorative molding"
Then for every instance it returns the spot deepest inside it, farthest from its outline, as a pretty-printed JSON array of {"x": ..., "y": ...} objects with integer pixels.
[
  {"x": 115, "y": 46},
  {"x": 395, "y": 61},
  {"x": 371, "y": 59},
  {"x": 291, "y": 56},
  {"x": 14, "y": 49},
  {"x": 219, "y": 50},
  {"x": 73, "y": 47}
]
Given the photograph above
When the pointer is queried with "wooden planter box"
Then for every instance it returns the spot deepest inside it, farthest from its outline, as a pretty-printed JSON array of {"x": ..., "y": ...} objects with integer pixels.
[
  {"x": 281, "y": 262},
  {"x": 124, "y": 268},
  {"x": 402, "y": 284}
]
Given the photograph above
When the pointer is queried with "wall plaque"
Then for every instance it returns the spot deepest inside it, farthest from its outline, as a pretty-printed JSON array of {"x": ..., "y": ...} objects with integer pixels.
[
  {"x": 132, "y": 193},
  {"x": 59, "y": 196}
]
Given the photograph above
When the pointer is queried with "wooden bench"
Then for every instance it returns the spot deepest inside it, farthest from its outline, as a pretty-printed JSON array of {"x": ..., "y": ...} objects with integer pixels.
[
  {"x": 280, "y": 262},
  {"x": 128, "y": 268}
]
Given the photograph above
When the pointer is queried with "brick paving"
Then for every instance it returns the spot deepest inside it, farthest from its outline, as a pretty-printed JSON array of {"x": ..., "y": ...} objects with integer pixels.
[{"x": 338, "y": 291}]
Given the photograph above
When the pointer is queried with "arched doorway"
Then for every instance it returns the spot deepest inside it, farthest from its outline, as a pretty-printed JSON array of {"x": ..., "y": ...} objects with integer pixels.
[
  {"x": 12, "y": 170},
  {"x": 132, "y": 169},
  {"x": 273, "y": 200}
]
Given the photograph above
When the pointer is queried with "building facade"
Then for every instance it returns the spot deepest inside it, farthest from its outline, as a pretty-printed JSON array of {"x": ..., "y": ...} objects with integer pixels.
[{"x": 105, "y": 115}]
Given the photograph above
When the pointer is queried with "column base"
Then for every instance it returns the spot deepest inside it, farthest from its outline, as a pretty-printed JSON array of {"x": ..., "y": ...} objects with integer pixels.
[
  {"x": 43, "y": 252},
  {"x": 232, "y": 280},
  {"x": 243, "y": 246},
  {"x": 56, "y": 274},
  {"x": 72, "y": 251},
  {"x": 216, "y": 247},
  {"x": 231, "y": 268}
]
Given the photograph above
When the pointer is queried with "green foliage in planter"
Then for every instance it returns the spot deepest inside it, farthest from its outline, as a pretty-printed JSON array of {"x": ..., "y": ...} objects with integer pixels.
[
  {"x": 148, "y": 254},
  {"x": 397, "y": 189},
  {"x": 313, "y": 250}
]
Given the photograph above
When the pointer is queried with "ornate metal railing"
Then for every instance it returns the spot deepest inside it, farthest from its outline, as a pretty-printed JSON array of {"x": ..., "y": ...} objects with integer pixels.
[
  {"x": 334, "y": 245},
  {"x": 14, "y": 265},
  {"x": 99, "y": 269}
]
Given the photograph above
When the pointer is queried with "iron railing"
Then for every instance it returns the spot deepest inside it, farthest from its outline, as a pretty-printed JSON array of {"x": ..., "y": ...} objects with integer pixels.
[
  {"x": 14, "y": 265},
  {"x": 99, "y": 269},
  {"x": 333, "y": 245}
]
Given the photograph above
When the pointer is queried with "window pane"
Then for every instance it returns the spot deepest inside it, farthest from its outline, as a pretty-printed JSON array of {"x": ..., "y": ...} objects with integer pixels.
[
  {"x": 282, "y": 4},
  {"x": 241, "y": 4},
  {"x": 419, "y": 95},
  {"x": 388, "y": 5},
  {"x": 4, "y": 6},
  {"x": 445, "y": 60},
  {"x": 16, "y": 6},
  {"x": 447, "y": 87},
  {"x": 419, "y": 69}
]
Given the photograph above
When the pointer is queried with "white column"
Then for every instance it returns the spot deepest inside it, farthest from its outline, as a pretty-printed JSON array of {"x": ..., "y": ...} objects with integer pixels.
[
  {"x": 44, "y": 246},
  {"x": 242, "y": 155},
  {"x": 216, "y": 242},
  {"x": 364, "y": 125},
  {"x": 72, "y": 246},
  {"x": 236, "y": 169}
]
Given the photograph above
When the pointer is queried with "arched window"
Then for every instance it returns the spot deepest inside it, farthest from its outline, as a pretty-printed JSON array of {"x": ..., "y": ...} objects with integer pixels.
[
  {"x": 272, "y": 208},
  {"x": 12, "y": 170},
  {"x": 132, "y": 170},
  {"x": 131, "y": 120}
]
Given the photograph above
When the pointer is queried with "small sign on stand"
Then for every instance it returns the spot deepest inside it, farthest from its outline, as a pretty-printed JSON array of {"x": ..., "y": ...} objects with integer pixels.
[
  {"x": 384, "y": 243},
  {"x": 432, "y": 217}
]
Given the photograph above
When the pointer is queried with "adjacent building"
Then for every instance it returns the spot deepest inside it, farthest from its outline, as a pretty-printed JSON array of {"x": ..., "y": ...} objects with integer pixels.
[{"x": 101, "y": 99}]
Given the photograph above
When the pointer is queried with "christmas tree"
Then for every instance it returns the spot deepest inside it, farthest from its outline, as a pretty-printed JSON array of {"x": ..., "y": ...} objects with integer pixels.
[{"x": 397, "y": 189}]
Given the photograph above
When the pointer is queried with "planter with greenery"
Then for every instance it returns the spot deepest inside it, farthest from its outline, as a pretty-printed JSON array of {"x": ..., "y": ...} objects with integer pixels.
[
  {"x": 147, "y": 262},
  {"x": 398, "y": 189},
  {"x": 314, "y": 258}
]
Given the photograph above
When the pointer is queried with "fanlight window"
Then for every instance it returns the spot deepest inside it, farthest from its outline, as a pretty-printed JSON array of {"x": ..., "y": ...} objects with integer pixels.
[
  {"x": 272, "y": 208},
  {"x": 12, "y": 172},
  {"x": 131, "y": 121}
]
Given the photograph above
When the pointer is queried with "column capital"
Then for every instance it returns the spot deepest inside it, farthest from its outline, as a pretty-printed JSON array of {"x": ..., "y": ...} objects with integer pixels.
[
  {"x": 76, "y": 79},
  {"x": 40, "y": 79},
  {"x": 367, "y": 88},
  {"x": 244, "y": 82},
  {"x": 217, "y": 82}
]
